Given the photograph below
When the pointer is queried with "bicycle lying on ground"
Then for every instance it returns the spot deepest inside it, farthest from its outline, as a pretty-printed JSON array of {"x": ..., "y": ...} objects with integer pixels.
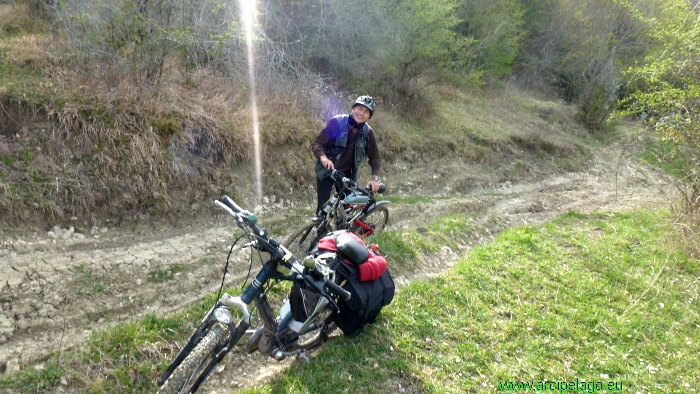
[
  {"x": 317, "y": 304},
  {"x": 351, "y": 208}
]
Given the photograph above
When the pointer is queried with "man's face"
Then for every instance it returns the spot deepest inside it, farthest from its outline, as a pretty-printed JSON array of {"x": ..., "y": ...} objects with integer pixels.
[{"x": 360, "y": 113}]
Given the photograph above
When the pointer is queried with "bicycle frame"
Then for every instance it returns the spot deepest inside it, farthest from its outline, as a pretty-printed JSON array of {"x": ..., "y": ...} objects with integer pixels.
[
  {"x": 345, "y": 210},
  {"x": 354, "y": 212},
  {"x": 281, "y": 266}
]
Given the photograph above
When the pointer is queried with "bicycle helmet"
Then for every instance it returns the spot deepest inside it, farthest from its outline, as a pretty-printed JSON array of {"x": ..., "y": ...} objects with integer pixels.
[{"x": 367, "y": 101}]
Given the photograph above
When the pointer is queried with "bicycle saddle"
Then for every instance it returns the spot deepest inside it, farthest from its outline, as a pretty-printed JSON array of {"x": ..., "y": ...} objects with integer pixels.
[{"x": 351, "y": 249}]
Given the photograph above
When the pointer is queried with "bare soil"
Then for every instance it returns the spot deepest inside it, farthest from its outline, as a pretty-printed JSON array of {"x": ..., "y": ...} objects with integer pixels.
[{"x": 59, "y": 284}]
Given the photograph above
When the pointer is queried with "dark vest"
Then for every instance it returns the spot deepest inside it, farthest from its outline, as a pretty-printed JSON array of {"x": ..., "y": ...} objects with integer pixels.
[{"x": 339, "y": 144}]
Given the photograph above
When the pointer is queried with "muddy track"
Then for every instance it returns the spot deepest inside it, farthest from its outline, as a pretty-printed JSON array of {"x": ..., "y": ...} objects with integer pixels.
[{"x": 57, "y": 286}]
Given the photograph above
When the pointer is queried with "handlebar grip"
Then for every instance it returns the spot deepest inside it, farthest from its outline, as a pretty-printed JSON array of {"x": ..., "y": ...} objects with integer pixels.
[
  {"x": 229, "y": 203},
  {"x": 335, "y": 174},
  {"x": 382, "y": 188},
  {"x": 337, "y": 290}
]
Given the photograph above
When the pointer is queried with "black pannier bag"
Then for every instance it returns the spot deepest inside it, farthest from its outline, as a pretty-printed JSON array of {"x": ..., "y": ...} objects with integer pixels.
[
  {"x": 368, "y": 297},
  {"x": 302, "y": 301},
  {"x": 366, "y": 302}
]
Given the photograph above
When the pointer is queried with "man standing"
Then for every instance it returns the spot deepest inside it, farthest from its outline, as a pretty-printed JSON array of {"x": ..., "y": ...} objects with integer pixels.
[{"x": 343, "y": 144}]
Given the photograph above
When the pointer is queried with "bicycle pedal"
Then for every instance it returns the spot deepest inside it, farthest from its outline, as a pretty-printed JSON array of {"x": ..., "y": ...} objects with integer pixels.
[{"x": 304, "y": 356}]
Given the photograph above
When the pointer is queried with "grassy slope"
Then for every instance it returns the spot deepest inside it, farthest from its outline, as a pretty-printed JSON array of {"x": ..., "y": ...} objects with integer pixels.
[{"x": 601, "y": 298}]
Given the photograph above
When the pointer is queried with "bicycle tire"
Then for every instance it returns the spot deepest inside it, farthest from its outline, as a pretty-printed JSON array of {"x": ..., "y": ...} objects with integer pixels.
[
  {"x": 302, "y": 240},
  {"x": 317, "y": 337},
  {"x": 191, "y": 367},
  {"x": 376, "y": 218},
  {"x": 338, "y": 220}
]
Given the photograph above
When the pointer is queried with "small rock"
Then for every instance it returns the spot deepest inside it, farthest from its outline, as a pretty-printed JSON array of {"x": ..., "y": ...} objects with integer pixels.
[
  {"x": 46, "y": 310},
  {"x": 68, "y": 233},
  {"x": 12, "y": 366}
]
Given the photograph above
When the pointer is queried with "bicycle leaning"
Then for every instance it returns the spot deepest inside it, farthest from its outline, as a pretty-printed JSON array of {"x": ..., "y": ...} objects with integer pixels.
[
  {"x": 351, "y": 208},
  {"x": 326, "y": 294}
]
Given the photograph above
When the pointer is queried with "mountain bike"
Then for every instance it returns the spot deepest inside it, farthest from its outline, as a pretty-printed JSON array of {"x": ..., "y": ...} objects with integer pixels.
[
  {"x": 304, "y": 321},
  {"x": 352, "y": 208}
]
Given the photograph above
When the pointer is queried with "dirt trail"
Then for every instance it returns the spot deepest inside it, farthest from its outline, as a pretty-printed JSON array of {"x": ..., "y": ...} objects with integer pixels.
[{"x": 57, "y": 286}]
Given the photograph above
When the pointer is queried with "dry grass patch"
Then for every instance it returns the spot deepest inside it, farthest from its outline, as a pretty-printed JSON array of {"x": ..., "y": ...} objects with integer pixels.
[{"x": 26, "y": 50}]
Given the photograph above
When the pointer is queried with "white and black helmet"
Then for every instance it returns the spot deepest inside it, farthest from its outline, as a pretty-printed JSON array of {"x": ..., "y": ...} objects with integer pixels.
[{"x": 367, "y": 101}]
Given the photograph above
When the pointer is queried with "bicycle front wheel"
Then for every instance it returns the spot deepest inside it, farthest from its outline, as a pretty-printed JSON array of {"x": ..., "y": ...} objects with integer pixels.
[
  {"x": 375, "y": 219},
  {"x": 187, "y": 373}
]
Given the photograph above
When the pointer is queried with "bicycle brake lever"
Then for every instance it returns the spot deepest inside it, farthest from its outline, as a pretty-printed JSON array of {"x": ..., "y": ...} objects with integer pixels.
[{"x": 332, "y": 302}]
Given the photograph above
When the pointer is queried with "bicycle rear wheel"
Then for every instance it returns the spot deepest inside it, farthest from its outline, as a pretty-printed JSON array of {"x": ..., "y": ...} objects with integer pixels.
[
  {"x": 303, "y": 240},
  {"x": 316, "y": 337},
  {"x": 375, "y": 219},
  {"x": 187, "y": 373}
]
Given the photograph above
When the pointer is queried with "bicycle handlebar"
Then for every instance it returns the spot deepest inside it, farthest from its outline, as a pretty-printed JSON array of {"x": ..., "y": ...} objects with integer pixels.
[
  {"x": 343, "y": 180},
  {"x": 231, "y": 204},
  {"x": 332, "y": 287},
  {"x": 337, "y": 290},
  {"x": 245, "y": 218}
]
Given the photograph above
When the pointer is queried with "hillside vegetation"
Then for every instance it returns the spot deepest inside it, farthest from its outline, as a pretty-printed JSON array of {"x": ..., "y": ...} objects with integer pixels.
[
  {"x": 139, "y": 108},
  {"x": 84, "y": 138}
]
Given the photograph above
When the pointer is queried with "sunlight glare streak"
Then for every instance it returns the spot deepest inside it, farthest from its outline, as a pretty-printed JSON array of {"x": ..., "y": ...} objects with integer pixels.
[{"x": 248, "y": 12}]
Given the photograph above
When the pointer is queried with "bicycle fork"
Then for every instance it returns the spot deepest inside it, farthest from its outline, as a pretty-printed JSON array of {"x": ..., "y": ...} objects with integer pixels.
[{"x": 218, "y": 314}]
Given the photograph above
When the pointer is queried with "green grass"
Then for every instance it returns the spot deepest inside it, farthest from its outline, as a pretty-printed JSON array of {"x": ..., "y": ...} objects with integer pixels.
[
  {"x": 403, "y": 247},
  {"x": 7, "y": 160},
  {"x": 125, "y": 349},
  {"x": 664, "y": 155},
  {"x": 34, "y": 379},
  {"x": 595, "y": 298},
  {"x": 86, "y": 282},
  {"x": 160, "y": 275}
]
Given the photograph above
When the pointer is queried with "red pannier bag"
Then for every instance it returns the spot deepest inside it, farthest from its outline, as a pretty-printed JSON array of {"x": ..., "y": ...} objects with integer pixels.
[
  {"x": 364, "y": 275},
  {"x": 370, "y": 266}
]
